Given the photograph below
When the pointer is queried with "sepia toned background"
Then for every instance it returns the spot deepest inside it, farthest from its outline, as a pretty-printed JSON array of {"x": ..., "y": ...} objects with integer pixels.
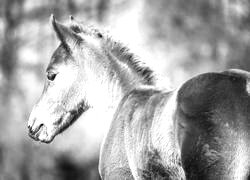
[{"x": 177, "y": 38}]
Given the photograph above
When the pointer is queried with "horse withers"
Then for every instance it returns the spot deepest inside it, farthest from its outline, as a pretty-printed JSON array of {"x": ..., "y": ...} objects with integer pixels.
[{"x": 197, "y": 131}]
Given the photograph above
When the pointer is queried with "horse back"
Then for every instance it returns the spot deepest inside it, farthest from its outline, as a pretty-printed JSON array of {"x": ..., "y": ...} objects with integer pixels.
[
  {"x": 201, "y": 128},
  {"x": 214, "y": 125}
]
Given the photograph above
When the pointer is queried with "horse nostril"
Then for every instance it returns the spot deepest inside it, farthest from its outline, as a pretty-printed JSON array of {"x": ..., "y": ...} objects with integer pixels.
[
  {"x": 29, "y": 127},
  {"x": 31, "y": 122},
  {"x": 34, "y": 131},
  {"x": 31, "y": 131}
]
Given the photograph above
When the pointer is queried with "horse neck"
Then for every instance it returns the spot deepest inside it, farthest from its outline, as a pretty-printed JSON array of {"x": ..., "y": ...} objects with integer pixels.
[{"x": 109, "y": 81}]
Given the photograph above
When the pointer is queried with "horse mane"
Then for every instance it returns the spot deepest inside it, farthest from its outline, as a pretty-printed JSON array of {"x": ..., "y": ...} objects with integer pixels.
[
  {"x": 124, "y": 54},
  {"x": 120, "y": 51}
]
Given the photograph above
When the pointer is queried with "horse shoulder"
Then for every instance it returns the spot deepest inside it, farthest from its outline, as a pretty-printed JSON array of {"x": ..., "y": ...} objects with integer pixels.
[
  {"x": 113, "y": 156},
  {"x": 149, "y": 135}
]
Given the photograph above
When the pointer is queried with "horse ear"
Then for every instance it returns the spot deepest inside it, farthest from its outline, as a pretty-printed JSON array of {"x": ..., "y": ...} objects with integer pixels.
[{"x": 64, "y": 33}]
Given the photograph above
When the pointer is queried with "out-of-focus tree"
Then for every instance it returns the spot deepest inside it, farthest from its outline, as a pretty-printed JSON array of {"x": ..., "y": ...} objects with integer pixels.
[
  {"x": 72, "y": 7},
  {"x": 212, "y": 33},
  {"x": 191, "y": 37},
  {"x": 102, "y": 8},
  {"x": 12, "y": 17},
  {"x": 24, "y": 45}
]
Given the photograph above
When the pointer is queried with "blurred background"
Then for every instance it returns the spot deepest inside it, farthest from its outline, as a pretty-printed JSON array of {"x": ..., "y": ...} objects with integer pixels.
[{"x": 177, "y": 38}]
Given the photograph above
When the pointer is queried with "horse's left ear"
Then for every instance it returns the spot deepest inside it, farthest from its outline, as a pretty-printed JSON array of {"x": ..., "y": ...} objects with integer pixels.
[{"x": 64, "y": 33}]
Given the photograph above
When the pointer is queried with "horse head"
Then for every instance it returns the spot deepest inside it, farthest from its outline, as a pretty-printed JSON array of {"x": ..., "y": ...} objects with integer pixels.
[{"x": 64, "y": 99}]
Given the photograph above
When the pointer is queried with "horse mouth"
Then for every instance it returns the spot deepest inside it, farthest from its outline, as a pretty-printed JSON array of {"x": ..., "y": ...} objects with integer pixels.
[
  {"x": 40, "y": 134},
  {"x": 46, "y": 135}
]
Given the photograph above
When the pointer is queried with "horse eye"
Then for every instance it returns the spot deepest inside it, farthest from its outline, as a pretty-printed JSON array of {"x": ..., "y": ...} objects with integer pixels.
[{"x": 51, "y": 76}]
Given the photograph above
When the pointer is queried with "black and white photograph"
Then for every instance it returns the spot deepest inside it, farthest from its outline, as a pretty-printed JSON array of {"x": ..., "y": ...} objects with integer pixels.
[{"x": 125, "y": 90}]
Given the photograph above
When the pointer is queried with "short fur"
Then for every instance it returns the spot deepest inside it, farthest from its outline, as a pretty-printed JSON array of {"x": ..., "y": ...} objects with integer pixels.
[
  {"x": 121, "y": 52},
  {"x": 198, "y": 131},
  {"x": 206, "y": 136}
]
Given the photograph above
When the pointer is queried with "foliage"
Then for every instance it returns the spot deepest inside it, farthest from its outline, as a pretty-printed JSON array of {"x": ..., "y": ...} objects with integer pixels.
[{"x": 176, "y": 37}]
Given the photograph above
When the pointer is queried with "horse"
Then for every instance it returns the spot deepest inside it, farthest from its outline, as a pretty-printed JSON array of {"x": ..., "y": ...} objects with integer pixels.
[{"x": 199, "y": 130}]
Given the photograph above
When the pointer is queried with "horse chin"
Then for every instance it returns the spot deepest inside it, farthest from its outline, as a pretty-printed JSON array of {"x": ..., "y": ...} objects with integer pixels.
[{"x": 48, "y": 139}]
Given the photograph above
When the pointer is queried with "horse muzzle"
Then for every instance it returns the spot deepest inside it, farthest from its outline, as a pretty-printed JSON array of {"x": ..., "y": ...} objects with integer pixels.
[{"x": 39, "y": 131}]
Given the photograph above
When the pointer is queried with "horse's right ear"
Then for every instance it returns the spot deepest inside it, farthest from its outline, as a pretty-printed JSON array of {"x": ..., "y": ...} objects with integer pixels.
[{"x": 64, "y": 33}]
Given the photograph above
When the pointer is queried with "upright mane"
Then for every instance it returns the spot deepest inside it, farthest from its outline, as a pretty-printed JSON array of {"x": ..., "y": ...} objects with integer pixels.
[
  {"x": 124, "y": 55},
  {"x": 120, "y": 51}
]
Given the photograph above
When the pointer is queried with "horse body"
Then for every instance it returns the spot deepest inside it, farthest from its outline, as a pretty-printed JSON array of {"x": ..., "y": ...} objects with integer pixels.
[
  {"x": 214, "y": 109},
  {"x": 136, "y": 137},
  {"x": 198, "y": 131}
]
